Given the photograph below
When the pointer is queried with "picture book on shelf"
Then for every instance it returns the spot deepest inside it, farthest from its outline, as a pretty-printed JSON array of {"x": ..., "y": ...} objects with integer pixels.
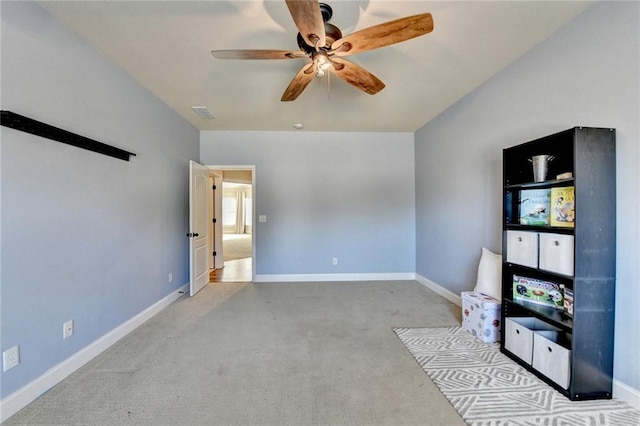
[
  {"x": 534, "y": 207},
  {"x": 562, "y": 207}
]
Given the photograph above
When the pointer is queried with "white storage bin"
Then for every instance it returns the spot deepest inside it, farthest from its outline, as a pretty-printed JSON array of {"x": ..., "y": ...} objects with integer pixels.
[
  {"x": 556, "y": 253},
  {"x": 522, "y": 248},
  {"x": 518, "y": 337},
  {"x": 550, "y": 358}
]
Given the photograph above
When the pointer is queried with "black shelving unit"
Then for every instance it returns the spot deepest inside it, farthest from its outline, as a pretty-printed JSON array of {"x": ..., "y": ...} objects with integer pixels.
[{"x": 587, "y": 336}]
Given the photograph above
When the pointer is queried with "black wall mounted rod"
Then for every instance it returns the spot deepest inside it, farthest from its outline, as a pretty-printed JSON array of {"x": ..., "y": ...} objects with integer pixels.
[{"x": 38, "y": 128}]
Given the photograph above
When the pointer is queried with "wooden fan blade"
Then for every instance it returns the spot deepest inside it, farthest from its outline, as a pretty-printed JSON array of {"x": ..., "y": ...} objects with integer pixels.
[
  {"x": 299, "y": 83},
  {"x": 258, "y": 54},
  {"x": 357, "y": 76},
  {"x": 384, "y": 34},
  {"x": 308, "y": 18}
]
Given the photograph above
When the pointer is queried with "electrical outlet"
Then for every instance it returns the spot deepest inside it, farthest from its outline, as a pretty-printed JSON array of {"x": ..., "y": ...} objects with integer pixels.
[
  {"x": 67, "y": 329},
  {"x": 10, "y": 358},
  {"x": 334, "y": 261},
  {"x": 170, "y": 277}
]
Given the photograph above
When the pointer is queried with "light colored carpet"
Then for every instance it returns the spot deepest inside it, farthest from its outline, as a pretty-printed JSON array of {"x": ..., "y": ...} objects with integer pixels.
[
  {"x": 488, "y": 388},
  {"x": 298, "y": 354},
  {"x": 236, "y": 246}
]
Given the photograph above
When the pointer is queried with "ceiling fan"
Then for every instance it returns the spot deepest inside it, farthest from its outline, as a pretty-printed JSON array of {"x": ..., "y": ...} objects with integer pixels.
[{"x": 323, "y": 44}]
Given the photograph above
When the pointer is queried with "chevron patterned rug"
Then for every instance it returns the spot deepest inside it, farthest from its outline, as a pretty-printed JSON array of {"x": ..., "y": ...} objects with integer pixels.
[{"x": 487, "y": 388}]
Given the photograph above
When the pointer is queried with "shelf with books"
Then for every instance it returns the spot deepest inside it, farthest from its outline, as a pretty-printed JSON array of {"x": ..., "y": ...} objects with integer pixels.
[
  {"x": 558, "y": 271},
  {"x": 544, "y": 206}
]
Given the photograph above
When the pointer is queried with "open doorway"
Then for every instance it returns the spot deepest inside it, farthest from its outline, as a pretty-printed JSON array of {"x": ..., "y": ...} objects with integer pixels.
[{"x": 234, "y": 224}]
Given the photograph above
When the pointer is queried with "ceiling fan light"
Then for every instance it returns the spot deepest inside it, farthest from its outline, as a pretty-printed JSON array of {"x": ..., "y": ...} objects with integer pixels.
[{"x": 321, "y": 64}]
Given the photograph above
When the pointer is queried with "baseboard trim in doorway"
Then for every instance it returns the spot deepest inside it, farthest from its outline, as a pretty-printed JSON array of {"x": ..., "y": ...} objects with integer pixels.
[
  {"x": 28, "y": 393},
  {"x": 272, "y": 278}
]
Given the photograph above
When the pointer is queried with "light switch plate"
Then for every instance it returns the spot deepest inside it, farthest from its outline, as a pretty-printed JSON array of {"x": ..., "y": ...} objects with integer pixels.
[{"x": 67, "y": 329}]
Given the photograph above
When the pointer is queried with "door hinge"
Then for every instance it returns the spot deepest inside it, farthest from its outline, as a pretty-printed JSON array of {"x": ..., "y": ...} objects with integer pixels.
[
  {"x": 214, "y": 220},
  {"x": 215, "y": 253},
  {"x": 213, "y": 187}
]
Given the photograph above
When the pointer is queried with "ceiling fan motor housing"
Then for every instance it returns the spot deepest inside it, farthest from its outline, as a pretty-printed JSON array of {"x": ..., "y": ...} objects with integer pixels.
[
  {"x": 326, "y": 11},
  {"x": 332, "y": 33}
]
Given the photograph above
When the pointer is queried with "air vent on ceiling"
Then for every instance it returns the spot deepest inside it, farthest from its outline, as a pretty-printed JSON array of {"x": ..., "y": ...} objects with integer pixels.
[{"x": 203, "y": 112}]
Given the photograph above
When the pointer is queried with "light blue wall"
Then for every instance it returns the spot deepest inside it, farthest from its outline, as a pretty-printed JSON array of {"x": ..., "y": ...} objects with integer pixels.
[
  {"x": 587, "y": 74},
  {"x": 84, "y": 236},
  {"x": 325, "y": 195}
]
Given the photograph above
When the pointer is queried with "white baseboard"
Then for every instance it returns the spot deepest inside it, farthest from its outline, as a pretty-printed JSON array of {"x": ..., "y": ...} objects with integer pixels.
[
  {"x": 27, "y": 394},
  {"x": 626, "y": 393},
  {"x": 272, "y": 278},
  {"x": 452, "y": 297}
]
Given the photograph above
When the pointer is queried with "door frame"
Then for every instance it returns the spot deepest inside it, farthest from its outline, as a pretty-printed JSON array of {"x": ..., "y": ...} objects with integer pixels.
[
  {"x": 252, "y": 168},
  {"x": 215, "y": 233}
]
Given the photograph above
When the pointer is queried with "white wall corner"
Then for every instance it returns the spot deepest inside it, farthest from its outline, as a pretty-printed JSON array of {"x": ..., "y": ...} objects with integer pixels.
[
  {"x": 28, "y": 393},
  {"x": 626, "y": 393},
  {"x": 452, "y": 297}
]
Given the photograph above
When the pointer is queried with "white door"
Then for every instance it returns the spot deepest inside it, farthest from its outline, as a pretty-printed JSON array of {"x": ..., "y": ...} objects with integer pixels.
[{"x": 198, "y": 227}]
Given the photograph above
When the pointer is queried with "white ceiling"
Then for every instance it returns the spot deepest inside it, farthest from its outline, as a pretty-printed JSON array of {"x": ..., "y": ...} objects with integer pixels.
[{"x": 166, "y": 45}]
